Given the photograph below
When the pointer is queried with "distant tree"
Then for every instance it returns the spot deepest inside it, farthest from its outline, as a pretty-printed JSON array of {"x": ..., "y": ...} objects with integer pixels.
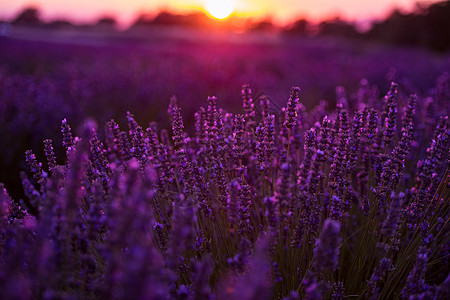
[
  {"x": 399, "y": 28},
  {"x": 196, "y": 20},
  {"x": 338, "y": 27},
  {"x": 427, "y": 26},
  {"x": 166, "y": 18},
  {"x": 265, "y": 25},
  {"x": 438, "y": 24},
  {"x": 59, "y": 24},
  {"x": 107, "y": 21},
  {"x": 299, "y": 27},
  {"x": 29, "y": 16},
  {"x": 142, "y": 20}
]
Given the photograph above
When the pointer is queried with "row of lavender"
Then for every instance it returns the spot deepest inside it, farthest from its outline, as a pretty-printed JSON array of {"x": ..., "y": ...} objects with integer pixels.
[
  {"x": 43, "y": 82},
  {"x": 254, "y": 206}
]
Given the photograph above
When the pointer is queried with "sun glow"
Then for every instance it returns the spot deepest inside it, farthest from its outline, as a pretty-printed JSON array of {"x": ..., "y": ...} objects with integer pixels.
[{"x": 219, "y": 9}]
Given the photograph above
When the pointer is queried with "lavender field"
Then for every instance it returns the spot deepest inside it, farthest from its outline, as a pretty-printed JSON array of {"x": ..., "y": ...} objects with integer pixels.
[{"x": 245, "y": 166}]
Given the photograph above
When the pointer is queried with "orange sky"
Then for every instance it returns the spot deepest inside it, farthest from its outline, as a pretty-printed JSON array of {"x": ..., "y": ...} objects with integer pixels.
[{"x": 281, "y": 11}]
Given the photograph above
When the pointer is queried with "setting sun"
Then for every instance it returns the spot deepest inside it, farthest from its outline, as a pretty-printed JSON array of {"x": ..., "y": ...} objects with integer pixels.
[{"x": 219, "y": 9}]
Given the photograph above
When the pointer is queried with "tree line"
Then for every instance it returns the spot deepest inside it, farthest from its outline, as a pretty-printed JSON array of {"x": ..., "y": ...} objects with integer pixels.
[{"x": 427, "y": 26}]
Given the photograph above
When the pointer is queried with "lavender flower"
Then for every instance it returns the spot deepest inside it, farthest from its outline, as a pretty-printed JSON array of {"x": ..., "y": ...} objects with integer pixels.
[
  {"x": 276, "y": 272},
  {"x": 260, "y": 147},
  {"x": 200, "y": 274},
  {"x": 264, "y": 103},
  {"x": 326, "y": 251},
  {"x": 228, "y": 213},
  {"x": 314, "y": 289},
  {"x": 323, "y": 144},
  {"x": 211, "y": 124},
  {"x": 49, "y": 154},
  {"x": 239, "y": 263},
  {"x": 415, "y": 283},
  {"x": 372, "y": 126},
  {"x": 391, "y": 224},
  {"x": 182, "y": 235},
  {"x": 160, "y": 234},
  {"x": 97, "y": 155},
  {"x": 293, "y": 295},
  {"x": 248, "y": 105},
  {"x": 390, "y": 114},
  {"x": 310, "y": 137},
  {"x": 338, "y": 291},
  {"x": 335, "y": 208},
  {"x": 355, "y": 141},
  {"x": 178, "y": 130},
  {"x": 233, "y": 201},
  {"x": 271, "y": 211},
  {"x": 68, "y": 140},
  {"x": 427, "y": 168},
  {"x": 254, "y": 284},
  {"x": 409, "y": 112},
  {"x": 30, "y": 191},
  {"x": 291, "y": 110},
  {"x": 337, "y": 168},
  {"x": 385, "y": 266},
  {"x": 269, "y": 137},
  {"x": 200, "y": 126},
  {"x": 136, "y": 133},
  {"x": 245, "y": 203},
  {"x": 34, "y": 165},
  {"x": 120, "y": 143},
  {"x": 282, "y": 194},
  {"x": 239, "y": 136}
]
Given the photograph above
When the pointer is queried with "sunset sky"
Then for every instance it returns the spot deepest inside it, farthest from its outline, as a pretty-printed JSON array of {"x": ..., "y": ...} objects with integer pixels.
[{"x": 281, "y": 11}]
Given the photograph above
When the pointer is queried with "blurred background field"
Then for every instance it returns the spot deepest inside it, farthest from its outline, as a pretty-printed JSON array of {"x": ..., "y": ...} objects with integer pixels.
[{"x": 53, "y": 71}]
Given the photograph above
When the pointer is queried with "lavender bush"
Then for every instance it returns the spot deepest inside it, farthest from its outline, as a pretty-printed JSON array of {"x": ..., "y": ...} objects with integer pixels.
[
  {"x": 43, "y": 82},
  {"x": 255, "y": 205}
]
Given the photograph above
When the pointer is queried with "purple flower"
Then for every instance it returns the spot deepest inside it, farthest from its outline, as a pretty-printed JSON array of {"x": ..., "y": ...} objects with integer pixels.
[
  {"x": 310, "y": 139},
  {"x": 264, "y": 103},
  {"x": 282, "y": 194},
  {"x": 120, "y": 144},
  {"x": 49, "y": 154},
  {"x": 200, "y": 273},
  {"x": 390, "y": 114},
  {"x": 136, "y": 133},
  {"x": 253, "y": 284},
  {"x": 338, "y": 291},
  {"x": 269, "y": 138},
  {"x": 239, "y": 137},
  {"x": 291, "y": 109},
  {"x": 326, "y": 250},
  {"x": 372, "y": 126},
  {"x": 335, "y": 208},
  {"x": 178, "y": 130},
  {"x": 35, "y": 166},
  {"x": 415, "y": 283},
  {"x": 248, "y": 105},
  {"x": 409, "y": 113},
  {"x": 97, "y": 155},
  {"x": 271, "y": 211},
  {"x": 68, "y": 140},
  {"x": 384, "y": 266},
  {"x": 392, "y": 222},
  {"x": 211, "y": 125},
  {"x": 30, "y": 191},
  {"x": 200, "y": 126},
  {"x": 261, "y": 149}
]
